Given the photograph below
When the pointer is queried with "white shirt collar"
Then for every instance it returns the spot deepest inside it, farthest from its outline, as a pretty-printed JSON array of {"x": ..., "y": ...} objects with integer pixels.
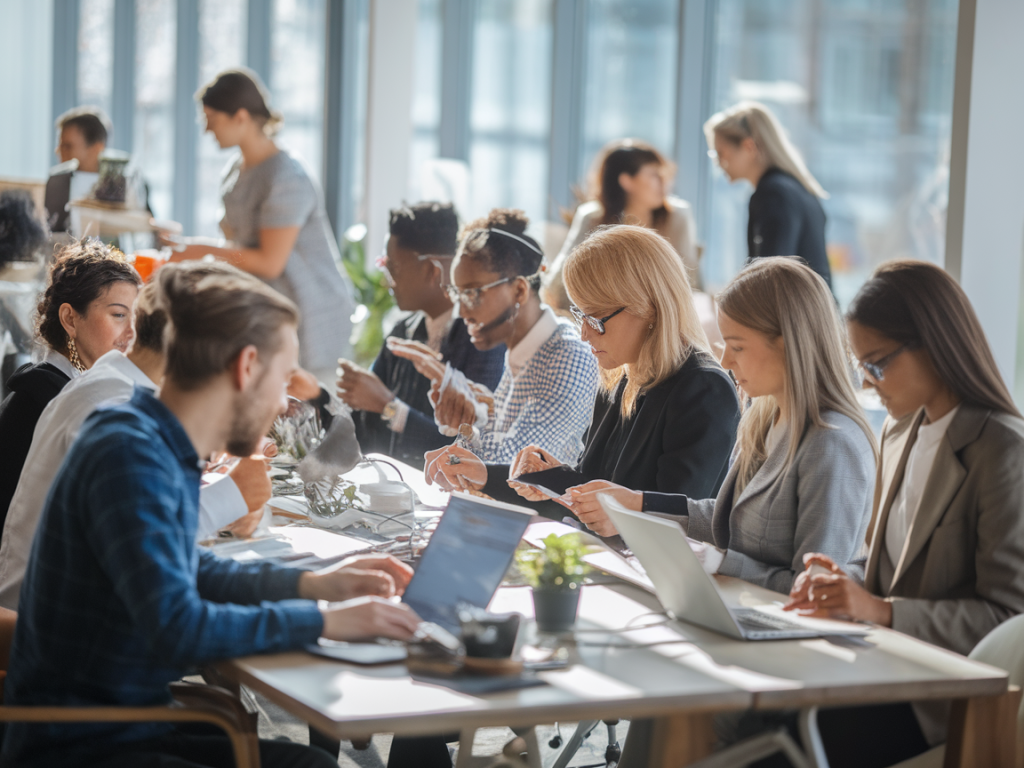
[
  {"x": 117, "y": 363},
  {"x": 517, "y": 357},
  {"x": 936, "y": 429},
  {"x": 61, "y": 363}
]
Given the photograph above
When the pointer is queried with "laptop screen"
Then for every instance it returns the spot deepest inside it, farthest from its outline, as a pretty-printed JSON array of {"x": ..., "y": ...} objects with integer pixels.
[{"x": 467, "y": 556}]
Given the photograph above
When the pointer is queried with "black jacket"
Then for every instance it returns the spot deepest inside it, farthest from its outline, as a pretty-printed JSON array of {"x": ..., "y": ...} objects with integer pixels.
[
  {"x": 787, "y": 220},
  {"x": 678, "y": 439},
  {"x": 400, "y": 376},
  {"x": 31, "y": 389}
]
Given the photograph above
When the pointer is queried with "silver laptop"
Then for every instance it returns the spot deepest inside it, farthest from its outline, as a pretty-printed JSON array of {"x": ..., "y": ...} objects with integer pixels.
[{"x": 691, "y": 595}]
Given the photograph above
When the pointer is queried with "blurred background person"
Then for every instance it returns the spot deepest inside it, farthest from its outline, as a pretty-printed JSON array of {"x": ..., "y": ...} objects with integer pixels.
[
  {"x": 82, "y": 135},
  {"x": 274, "y": 220},
  {"x": 393, "y": 413},
  {"x": 85, "y": 311},
  {"x": 629, "y": 185},
  {"x": 785, "y": 217},
  {"x": 23, "y": 239}
]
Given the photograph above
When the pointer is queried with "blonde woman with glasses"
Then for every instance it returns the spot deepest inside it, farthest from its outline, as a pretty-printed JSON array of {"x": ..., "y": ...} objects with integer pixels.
[
  {"x": 665, "y": 418},
  {"x": 804, "y": 464},
  {"x": 785, "y": 213}
]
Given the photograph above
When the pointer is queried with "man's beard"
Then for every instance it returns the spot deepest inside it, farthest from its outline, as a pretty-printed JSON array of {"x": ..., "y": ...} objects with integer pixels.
[{"x": 247, "y": 430}]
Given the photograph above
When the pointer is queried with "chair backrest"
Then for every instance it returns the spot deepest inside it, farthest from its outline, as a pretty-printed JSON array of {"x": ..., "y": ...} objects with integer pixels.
[{"x": 1003, "y": 647}]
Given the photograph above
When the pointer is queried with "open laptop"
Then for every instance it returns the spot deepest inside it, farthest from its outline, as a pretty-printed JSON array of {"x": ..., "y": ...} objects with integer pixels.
[
  {"x": 464, "y": 562},
  {"x": 689, "y": 594}
]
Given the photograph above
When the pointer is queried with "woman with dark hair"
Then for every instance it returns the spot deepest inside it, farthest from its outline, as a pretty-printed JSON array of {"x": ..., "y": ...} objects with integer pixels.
[
  {"x": 546, "y": 392},
  {"x": 628, "y": 186},
  {"x": 274, "y": 222},
  {"x": 85, "y": 311},
  {"x": 946, "y": 538}
]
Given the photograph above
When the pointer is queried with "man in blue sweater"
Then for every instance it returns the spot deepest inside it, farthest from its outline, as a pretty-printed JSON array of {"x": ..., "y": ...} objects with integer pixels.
[{"x": 117, "y": 600}]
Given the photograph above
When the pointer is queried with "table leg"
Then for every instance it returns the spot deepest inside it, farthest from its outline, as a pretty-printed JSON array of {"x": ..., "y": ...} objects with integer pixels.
[
  {"x": 983, "y": 731},
  {"x": 679, "y": 740}
]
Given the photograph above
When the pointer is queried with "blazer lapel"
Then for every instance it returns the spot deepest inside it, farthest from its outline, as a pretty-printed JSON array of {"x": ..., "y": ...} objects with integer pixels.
[
  {"x": 944, "y": 480},
  {"x": 723, "y": 509},
  {"x": 896, "y": 445},
  {"x": 769, "y": 471}
]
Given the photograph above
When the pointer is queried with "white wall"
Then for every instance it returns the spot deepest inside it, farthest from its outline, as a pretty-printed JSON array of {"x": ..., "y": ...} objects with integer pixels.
[
  {"x": 388, "y": 113},
  {"x": 985, "y": 234},
  {"x": 26, "y": 64}
]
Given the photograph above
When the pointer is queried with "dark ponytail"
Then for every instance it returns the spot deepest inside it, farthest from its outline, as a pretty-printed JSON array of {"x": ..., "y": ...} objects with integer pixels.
[{"x": 236, "y": 89}]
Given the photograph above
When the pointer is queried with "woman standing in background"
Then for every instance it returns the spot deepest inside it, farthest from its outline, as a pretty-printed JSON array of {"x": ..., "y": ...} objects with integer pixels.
[
  {"x": 274, "y": 220},
  {"x": 786, "y": 217},
  {"x": 628, "y": 187}
]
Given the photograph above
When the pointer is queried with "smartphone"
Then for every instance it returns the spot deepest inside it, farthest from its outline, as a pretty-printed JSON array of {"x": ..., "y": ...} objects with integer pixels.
[{"x": 552, "y": 482}]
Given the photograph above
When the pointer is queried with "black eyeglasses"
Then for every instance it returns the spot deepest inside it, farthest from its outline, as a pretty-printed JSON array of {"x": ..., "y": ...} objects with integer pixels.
[
  {"x": 876, "y": 370},
  {"x": 597, "y": 323}
]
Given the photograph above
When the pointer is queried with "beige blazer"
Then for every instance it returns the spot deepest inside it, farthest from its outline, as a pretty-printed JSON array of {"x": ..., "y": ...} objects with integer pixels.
[{"x": 961, "y": 572}]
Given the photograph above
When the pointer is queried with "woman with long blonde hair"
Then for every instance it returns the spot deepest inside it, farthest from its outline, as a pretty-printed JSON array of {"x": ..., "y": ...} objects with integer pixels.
[
  {"x": 665, "y": 418},
  {"x": 785, "y": 213},
  {"x": 804, "y": 463}
]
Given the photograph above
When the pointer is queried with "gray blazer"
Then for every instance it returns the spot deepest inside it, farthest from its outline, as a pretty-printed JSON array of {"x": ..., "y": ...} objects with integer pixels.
[
  {"x": 821, "y": 502},
  {"x": 961, "y": 572}
]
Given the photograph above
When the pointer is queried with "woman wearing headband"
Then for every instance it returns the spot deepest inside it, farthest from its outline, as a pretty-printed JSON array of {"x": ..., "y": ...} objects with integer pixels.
[
  {"x": 546, "y": 393},
  {"x": 666, "y": 417}
]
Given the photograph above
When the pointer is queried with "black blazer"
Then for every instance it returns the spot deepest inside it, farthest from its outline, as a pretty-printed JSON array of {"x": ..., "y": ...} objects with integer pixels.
[
  {"x": 401, "y": 377},
  {"x": 32, "y": 387},
  {"x": 787, "y": 220},
  {"x": 678, "y": 439}
]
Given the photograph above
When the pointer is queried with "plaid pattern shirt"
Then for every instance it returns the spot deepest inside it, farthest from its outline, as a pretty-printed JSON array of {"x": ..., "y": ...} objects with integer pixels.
[
  {"x": 549, "y": 403},
  {"x": 118, "y": 601}
]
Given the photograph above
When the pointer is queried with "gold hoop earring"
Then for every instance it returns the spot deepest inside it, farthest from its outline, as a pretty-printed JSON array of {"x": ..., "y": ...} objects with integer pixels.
[{"x": 76, "y": 361}]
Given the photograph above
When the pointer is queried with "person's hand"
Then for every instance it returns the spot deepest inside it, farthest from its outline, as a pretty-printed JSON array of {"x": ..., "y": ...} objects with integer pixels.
[
  {"x": 528, "y": 492},
  {"x": 468, "y": 474},
  {"x": 253, "y": 481},
  {"x": 366, "y": 618},
  {"x": 400, "y": 573},
  {"x": 828, "y": 593},
  {"x": 426, "y": 361},
  {"x": 584, "y": 503},
  {"x": 532, "y": 458},
  {"x": 246, "y": 525},
  {"x": 454, "y": 408},
  {"x": 343, "y": 582},
  {"x": 361, "y": 389},
  {"x": 303, "y": 385}
]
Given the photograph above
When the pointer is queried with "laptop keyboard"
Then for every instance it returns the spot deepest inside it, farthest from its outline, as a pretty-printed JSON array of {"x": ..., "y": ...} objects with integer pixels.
[{"x": 759, "y": 621}]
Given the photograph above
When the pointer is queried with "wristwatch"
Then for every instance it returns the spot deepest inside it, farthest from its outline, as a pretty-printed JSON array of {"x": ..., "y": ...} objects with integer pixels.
[{"x": 390, "y": 411}]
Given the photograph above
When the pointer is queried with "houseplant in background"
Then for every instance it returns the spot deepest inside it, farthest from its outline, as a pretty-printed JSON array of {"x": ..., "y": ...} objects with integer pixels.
[
  {"x": 556, "y": 574},
  {"x": 373, "y": 299}
]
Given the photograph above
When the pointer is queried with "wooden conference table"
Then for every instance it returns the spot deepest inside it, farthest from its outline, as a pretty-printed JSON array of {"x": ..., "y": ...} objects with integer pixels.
[{"x": 681, "y": 677}]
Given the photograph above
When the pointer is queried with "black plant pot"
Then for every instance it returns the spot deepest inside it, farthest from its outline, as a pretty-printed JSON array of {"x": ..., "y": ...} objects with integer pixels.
[{"x": 556, "y": 609}]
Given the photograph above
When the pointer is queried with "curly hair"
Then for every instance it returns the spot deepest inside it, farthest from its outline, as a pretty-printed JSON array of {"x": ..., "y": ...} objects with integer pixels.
[
  {"x": 80, "y": 273},
  {"x": 517, "y": 255},
  {"x": 22, "y": 233}
]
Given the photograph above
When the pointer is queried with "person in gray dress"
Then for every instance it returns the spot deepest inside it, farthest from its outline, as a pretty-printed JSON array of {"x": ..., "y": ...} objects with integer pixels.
[{"x": 274, "y": 222}]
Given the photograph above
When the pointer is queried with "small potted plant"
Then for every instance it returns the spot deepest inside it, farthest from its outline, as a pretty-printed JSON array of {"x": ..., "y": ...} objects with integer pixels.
[{"x": 556, "y": 574}]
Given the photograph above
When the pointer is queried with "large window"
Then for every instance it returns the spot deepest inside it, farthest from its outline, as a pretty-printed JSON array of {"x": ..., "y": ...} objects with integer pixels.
[
  {"x": 297, "y": 77},
  {"x": 510, "y": 115},
  {"x": 632, "y": 55},
  {"x": 221, "y": 46},
  {"x": 96, "y": 53},
  {"x": 426, "y": 95},
  {"x": 154, "y": 100},
  {"x": 865, "y": 90}
]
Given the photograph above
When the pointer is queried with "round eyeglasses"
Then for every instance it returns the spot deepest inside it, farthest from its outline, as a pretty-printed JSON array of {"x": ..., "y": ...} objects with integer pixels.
[{"x": 597, "y": 323}]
